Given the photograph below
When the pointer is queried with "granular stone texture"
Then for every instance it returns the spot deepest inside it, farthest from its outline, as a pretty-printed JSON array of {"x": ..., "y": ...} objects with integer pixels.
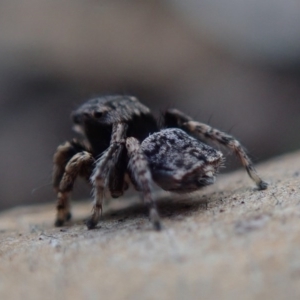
[{"x": 228, "y": 241}]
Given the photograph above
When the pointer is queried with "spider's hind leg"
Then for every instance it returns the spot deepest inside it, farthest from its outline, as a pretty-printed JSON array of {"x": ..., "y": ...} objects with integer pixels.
[
  {"x": 175, "y": 118},
  {"x": 139, "y": 169},
  {"x": 70, "y": 160}
]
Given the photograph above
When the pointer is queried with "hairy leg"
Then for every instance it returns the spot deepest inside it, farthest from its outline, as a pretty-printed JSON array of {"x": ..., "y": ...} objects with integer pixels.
[
  {"x": 104, "y": 166},
  {"x": 142, "y": 178},
  {"x": 66, "y": 170},
  {"x": 61, "y": 157},
  {"x": 201, "y": 130}
]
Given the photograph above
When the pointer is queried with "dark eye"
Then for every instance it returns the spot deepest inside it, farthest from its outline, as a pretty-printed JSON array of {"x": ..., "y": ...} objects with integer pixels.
[{"x": 98, "y": 114}]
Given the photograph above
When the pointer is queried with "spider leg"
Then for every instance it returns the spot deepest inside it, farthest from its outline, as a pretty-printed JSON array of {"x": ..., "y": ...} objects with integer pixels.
[
  {"x": 139, "y": 169},
  {"x": 201, "y": 130},
  {"x": 106, "y": 167},
  {"x": 61, "y": 157},
  {"x": 70, "y": 160}
]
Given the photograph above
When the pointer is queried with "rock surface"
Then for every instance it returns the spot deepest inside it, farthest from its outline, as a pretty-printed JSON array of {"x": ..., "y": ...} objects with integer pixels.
[{"x": 228, "y": 241}]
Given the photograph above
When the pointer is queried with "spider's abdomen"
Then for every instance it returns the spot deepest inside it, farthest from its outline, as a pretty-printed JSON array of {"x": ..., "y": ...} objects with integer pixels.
[{"x": 179, "y": 162}]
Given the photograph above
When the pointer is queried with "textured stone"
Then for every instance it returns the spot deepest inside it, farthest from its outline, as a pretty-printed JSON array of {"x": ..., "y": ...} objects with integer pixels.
[{"x": 228, "y": 241}]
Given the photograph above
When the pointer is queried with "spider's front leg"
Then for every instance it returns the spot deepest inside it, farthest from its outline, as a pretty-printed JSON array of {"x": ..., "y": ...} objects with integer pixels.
[
  {"x": 70, "y": 160},
  {"x": 139, "y": 169},
  {"x": 175, "y": 118},
  {"x": 109, "y": 172}
]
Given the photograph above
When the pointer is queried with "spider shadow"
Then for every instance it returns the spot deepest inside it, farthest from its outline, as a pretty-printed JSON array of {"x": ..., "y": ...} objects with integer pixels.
[{"x": 168, "y": 207}]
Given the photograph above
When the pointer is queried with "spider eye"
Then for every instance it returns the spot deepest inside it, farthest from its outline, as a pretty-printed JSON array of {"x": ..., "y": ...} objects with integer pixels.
[{"x": 98, "y": 114}]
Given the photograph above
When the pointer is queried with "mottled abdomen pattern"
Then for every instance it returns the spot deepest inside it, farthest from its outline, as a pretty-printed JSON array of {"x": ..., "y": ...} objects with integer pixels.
[{"x": 179, "y": 162}]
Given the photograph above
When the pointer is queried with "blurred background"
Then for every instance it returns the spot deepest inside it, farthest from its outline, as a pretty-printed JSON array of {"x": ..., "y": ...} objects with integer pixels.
[{"x": 234, "y": 64}]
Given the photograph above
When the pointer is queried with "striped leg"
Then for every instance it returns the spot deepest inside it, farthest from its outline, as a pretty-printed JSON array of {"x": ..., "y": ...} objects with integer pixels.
[
  {"x": 202, "y": 130},
  {"x": 107, "y": 165},
  {"x": 139, "y": 169},
  {"x": 65, "y": 172}
]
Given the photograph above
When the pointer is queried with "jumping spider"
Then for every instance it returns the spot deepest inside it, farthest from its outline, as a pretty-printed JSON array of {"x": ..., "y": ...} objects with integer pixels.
[{"x": 122, "y": 137}]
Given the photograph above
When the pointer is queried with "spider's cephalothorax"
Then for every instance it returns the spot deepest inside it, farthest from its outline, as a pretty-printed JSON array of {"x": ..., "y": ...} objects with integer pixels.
[{"x": 121, "y": 137}]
